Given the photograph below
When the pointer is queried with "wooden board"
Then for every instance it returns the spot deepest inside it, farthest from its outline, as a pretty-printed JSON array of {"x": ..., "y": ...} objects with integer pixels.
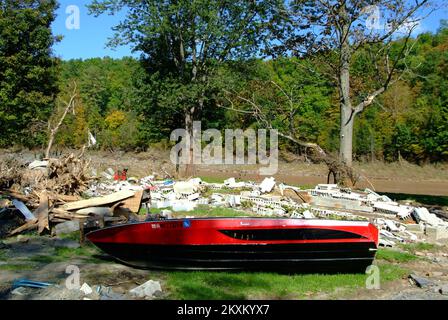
[
  {"x": 99, "y": 201},
  {"x": 31, "y": 224},
  {"x": 133, "y": 203},
  {"x": 64, "y": 198},
  {"x": 42, "y": 213}
]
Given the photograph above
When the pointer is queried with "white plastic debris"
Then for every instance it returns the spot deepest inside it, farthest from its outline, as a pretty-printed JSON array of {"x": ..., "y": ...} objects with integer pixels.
[
  {"x": 99, "y": 211},
  {"x": 308, "y": 215},
  {"x": 147, "y": 290},
  {"x": 38, "y": 164},
  {"x": 183, "y": 205},
  {"x": 184, "y": 188},
  {"x": 106, "y": 175},
  {"x": 430, "y": 218},
  {"x": 390, "y": 235},
  {"x": 86, "y": 289},
  {"x": 392, "y": 208},
  {"x": 326, "y": 186},
  {"x": 229, "y": 181},
  {"x": 193, "y": 196},
  {"x": 391, "y": 225},
  {"x": 267, "y": 185},
  {"x": 92, "y": 140},
  {"x": 385, "y": 243},
  {"x": 233, "y": 200},
  {"x": 23, "y": 209}
]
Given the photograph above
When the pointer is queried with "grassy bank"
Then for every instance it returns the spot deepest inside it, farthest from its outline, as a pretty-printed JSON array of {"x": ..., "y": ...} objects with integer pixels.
[{"x": 198, "y": 285}]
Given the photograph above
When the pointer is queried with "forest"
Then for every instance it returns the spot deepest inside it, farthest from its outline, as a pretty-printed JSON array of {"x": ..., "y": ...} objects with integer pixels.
[{"x": 133, "y": 104}]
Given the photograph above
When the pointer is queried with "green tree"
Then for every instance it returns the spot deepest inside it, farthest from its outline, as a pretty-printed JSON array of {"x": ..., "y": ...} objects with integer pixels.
[
  {"x": 335, "y": 32},
  {"x": 185, "y": 41},
  {"x": 28, "y": 71}
]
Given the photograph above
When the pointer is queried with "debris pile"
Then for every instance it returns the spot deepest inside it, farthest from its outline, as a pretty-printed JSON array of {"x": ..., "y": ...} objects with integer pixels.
[
  {"x": 48, "y": 196},
  {"x": 38, "y": 290},
  {"x": 55, "y": 189}
]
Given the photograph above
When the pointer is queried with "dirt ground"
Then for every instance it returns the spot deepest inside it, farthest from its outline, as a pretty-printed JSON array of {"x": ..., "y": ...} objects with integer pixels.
[
  {"x": 433, "y": 267},
  {"x": 36, "y": 258},
  {"x": 382, "y": 177}
]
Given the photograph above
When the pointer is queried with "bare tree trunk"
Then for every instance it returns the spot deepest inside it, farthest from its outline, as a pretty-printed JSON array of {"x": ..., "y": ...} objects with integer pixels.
[
  {"x": 346, "y": 135},
  {"x": 53, "y": 131},
  {"x": 189, "y": 118},
  {"x": 347, "y": 112}
]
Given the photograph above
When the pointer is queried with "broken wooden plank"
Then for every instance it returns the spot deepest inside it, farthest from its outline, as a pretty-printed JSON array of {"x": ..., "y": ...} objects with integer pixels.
[
  {"x": 58, "y": 220},
  {"x": 67, "y": 215},
  {"x": 99, "y": 201},
  {"x": 63, "y": 197},
  {"x": 32, "y": 224},
  {"x": 15, "y": 194},
  {"x": 42, "y": 213},
  {"x": 133, "y": 203}
]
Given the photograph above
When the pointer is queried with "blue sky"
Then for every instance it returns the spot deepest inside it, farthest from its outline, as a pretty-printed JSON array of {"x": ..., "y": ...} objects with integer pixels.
[{"x": 90, "y": 39}]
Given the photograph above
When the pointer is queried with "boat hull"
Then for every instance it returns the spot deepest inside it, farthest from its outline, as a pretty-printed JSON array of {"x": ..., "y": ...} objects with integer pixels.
[{"x": 242, "y": 244}]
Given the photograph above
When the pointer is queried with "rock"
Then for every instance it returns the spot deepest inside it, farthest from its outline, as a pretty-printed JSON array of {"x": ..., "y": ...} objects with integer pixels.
[
  {"x": 149, "y": 289},
  {"x": 106, "y": 293},
  {"x": 444, "y": 290},
  {"x": 420, "y": 254},
  {"x": 421, "y": 281},
  {"x": 66, "y": 227}
]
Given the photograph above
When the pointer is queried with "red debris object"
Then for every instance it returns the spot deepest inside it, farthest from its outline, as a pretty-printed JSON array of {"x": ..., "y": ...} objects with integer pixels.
[{"x": 121, "y": 175}]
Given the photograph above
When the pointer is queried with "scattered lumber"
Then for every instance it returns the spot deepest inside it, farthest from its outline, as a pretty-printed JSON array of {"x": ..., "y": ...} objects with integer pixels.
[
  {"x": 45, "y": 194},
  {"x": 99, "y": 201},
  {"x": 32, "y": 224},
  {"x": 133, "y": 203}
]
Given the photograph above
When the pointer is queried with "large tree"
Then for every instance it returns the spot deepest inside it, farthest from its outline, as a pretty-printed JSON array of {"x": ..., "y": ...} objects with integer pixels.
[
  {"x": 183, "y": 41},
  {"x": 333, "y": 32},
  {"x": 27, "y": 69}
]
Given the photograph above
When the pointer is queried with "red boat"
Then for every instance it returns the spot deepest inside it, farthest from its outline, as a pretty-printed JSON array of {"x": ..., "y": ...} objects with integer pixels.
[{"x": 242, "y": 243}]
